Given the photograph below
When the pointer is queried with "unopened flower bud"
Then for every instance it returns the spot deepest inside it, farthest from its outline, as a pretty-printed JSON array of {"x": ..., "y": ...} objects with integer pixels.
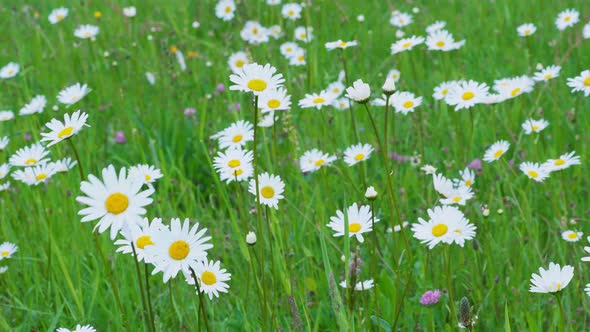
[
  {"x": 371, "y": 193},
  {"x": 389, "y": 86},
  {"x": 251, "y": 238}
]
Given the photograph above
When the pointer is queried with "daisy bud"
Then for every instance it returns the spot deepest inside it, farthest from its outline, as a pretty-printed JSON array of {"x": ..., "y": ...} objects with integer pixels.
[
  {"x": 371, "y": 193},
  {"x": 485, "y": 212},
  {"x": 500, "y": 211},
  {"x": 359, "y": 92},
  {"x": 251, "y": 238},
  {"x": 389, "y": 86},
  {"x": 360, "y": 18}
]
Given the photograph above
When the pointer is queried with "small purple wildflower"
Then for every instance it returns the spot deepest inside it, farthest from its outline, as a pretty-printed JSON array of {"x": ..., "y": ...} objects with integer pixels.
[
  {"x": 120, "y": 137},
  {"x": 189, "y": 112},
  {"x": 430, "y": 297},
  {"x": 220, "y": 88},
  {"x": 475, "y": 163}
]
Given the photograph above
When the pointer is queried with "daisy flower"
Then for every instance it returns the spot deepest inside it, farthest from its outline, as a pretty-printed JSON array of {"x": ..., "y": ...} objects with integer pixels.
[
  {"x": 179, "y": 248},
  {"x": 6, "y": 115},
  {"x": 428, "y": 169},
  {"x": 78, "y": 328},
  {"x": 442, "y": 40},
  {"x": 256, "y": 78},
  {"x": 145, "y": 174},
  {"x": 129, "y": 11},
  {"x": 317, "y": 100},
  {"x": 466, "y": 94},
  {"x": 406, "y": 102},
  {"x": 564, "y": 161},
  {"x": 236, "y": 135},
  {"x": 141, "y": 237},
  {"x": 237, "y": 60},
  {"x": 586, "y": 33},
  {"x": 63, "y": 130},
  {"x": 86, "y": 31},
  {"x": 4, "y": 140},
  {"x": 447, "y": 224},
  {"x": 35, "y": 175},
  {"x": 394, "y": 74},
  {"x": 289, "y": 49},
  {"x": 304, "y": 34},
  {"x": 225, "y": 9},
  {"x": 357, "y": 153},
  {"x": 234, "y": 164},
  {"x": 566, "y": 19},
  {"x": 29, "y": 156},
  {"x": 467, "y": 178},
  {"x": 438, "y": 25},
  {"x": 270, "y": 187},
  {"x": 254, "y": 33},
  {"x": 10, "y": 70},
  {"x": 526, "y": 29},
  {"x": 268, "y": 119},
  {"x": 456, "y": 195},
  {"x": 275, "y": 31},
  {"x": 360, "y": 286},
  {"x": 406, "y": 44},
  {"x": 359, "y": 222},
  {"x": 298, "y": 58},
  {"x": 515, "y": 86},
  {"x": 580, "y": 83},
  {"x": 340, "y": 44},
  {"x": 341, "y": 104},
  {"x": 73, "y": 94},
  {"x": 116, "y": 201},
  {"x": 400, "y": 20},
  {"x": 496, "y": 151},
  {"x": 359, "y": 92},
  {"x": 36, "y": 105},
  {"x": 313, "y": 160},
  {"x": 571, "y": 236},
  {"x": 552, "y": 280},
  {"x": 291, "y": 11},
  {"x": 57, "y": 15},
  {"x": 4, "y": 170},
  {"x": 535, "y": 171},
  {"x": 212, "y": 278},
  {"x": 7, "y": 249},
  {"x": 64, "y": 165},
  {"x": 336, "y": 88},
  {"x": 442, "y": 90},
  {"x": 534, "y": 126},
  {"x": 547, "y": 73}
]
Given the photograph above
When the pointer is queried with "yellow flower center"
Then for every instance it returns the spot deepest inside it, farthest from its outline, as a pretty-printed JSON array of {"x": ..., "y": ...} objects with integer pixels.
[
  {"x": 288, "y": 50},
  {"x": 228, "y": 9},
  {"x": 173, "y": 49},
  {"x": 558, "y": 287},
  {"x": 303, "y": 36},
  {"x": 237, "y": 138},
  {"x": 116, "y": 203},
  {"x": 148, "y": 177},
  {"x": 179, "y": 250},
  {"x": 440, "y": 43},
  {"x": 527, "y": 32},
  {"x": 567, "y": 18},
  {"x": 439, "y": 230},
  {"x": 359, "y": 157},
  {"x": 291, "y": 13},
  {"x": 515, "y": 92},
  {"x": 65, "y": 132},
  {"x": 468, "y": 95},
  {"x": 318, "y": 100},
  {"x": 535, "y": 127},
  {"x": 41, "y": 176},
  {"x": 74, "y": 99},
  {"x": 548, "y": 76},
  {"x": 10, "y": 71},
  {"x": 143, "y": 241},
  {"x": 59, "y": 17},
  {"x": 301, "y": 58},
  {"x": 4, "y": 254},
  {"x": 444, "y": 92},
  {"x": 233, "y": 163},
  {"x": 533, "y": 174},
  {"x": 257, "y": 85},
  {"x": 456, "y": 199},
  {"x": 31, "y": 161},
  {"x": 267, "y": 192},
  {"x": 238, "y": 172},
  {"x": 408, "y": 104},
  {"x": 406, "y": 45},
  {"x": 273, "y": 103},
  {"x": 208, "y": 278},
  {"x": 320, "y": 162},
  {"x": 342, "y": 44},
  {"x": 498, "y": 153},
  {"x": 572, "y": 235},
  {"x": 354, "y": 227},
  {"x": 559, "y": 162},
  {"x": 587, "y": 81},
  {"x": 468, "y": 183},
  {"x": 239, "y": 63}
]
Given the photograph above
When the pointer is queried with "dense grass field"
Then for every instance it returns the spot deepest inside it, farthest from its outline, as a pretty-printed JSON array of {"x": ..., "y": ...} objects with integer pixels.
[{"x": 64, "y": 274}]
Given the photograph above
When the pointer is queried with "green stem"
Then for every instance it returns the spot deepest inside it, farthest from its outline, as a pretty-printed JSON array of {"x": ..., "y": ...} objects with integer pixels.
[
  {"x": 201, "y": 303},
  {"x": 375, "y": 262},
  {"x": 561, "y": 313},
  {"x": 350, "y": 108},
  {"x": 149, "y": 297},
  {"x": 140, "y": 282},
  {"x": 450, "y": 284}
]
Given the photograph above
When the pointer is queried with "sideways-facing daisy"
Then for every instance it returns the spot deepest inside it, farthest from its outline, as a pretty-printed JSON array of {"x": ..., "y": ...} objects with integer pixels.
[
  {"x": 73, "y": 94},
  {"x": 547, "y": 73},
  {"x": 236, "y": 135},
  {"x": 442, "y": 40},
  {"x": 580, "y": 83},
  {"x": 116, "y": 201},
  {"x": 564, "y": 161},
  {"x": 63, "y": 130},
  {"x": 36, "y": 105},
  {"x": 144, "y": 173},
  {"x": 234, "y": 164},
  {"x": 359, "y": 92},
  {"x": 6, "y": 116},
  {"x": 7, "y": 249},
  {"x": 572, "y": 236},
  {"x": 406, "y": 44},
  {"x": 496, "y": 151},
  {"x": 10, "y": 70},
  {"x": 357, "y": 153},
  {"x": 212, "y": 278},
  {"x": 270, "y": 188},
  {"x": 359, "y": 222},
  {"x": 534, "y": 126},
  {"x": 256, "y": 78},
  {"x": 534, "y": 171},
  {"x": 78, "y": 328},
  {"x": 57, "y": 15},
  {"x": 141, "y": 237},
  {"x": 526, "y": 29},
  {"x": 340, "y": 44},
  {"x": 317, "y": 100},
  {"x": 313, "y": 160},
  {"x": 552, "y": 280},
  {"x": 35, "y": 175},
  {"x": 29, "y": 156},
  {"x": 86, "y": 31}
]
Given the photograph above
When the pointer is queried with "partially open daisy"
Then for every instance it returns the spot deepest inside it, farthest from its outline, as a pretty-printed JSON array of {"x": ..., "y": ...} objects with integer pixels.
[
  {"x": 313, "y": 160},
  {"x": 270, "y": 188},
  {"x": 405, "y": 102},
  {"x": 225, "y": 9},
  {"x": 234, "y": 164},
  {"x": 406, "y": 44},
  {"x": 340, "y": 44},
  {"x": 256, "y": 79},
  {"x": 36, "y": 105},
  {"x": 572, "y": 236},
  {"x": 551, "y": 280},
  {"x": 86, "y": 31},
  {"x": 567, "y": 18},
  {"x": 10, "y": 70},
  {"x": 525, "y": 30},
  {"x": 359, "y": 92},
  {"x": 116, "y": 201},
  {"x": 534, "y": 171},
  {"x": 534, "y": 126},
  {"x": 466, "y": 94},
  {"x": 357, "y": 153},
  {"x": 141, "y": 237},
  {"x": 580, "y": 83},
  {"x": 496, "y": 151},
  {"x": 78, "y": 328},
  {"x": 73, "y": 94},
  {"x": 358, "y": 220},
  {"x": 212, "y": 278},
  {"x": 237, "y": 60},
  {"x": 7, "y": 249},
  {"x": 564, "y": 161},
  {"x": 29, "y": 156},
  {"x": 274, "y": 100},
  {"x": 63, "y": 130},
  {"x": 317, "y": 100},
  {"x": 179, "y": 248},
  {"x": 236, "y": 135},
  {"x": 57, "y": 15},
  {"x": 547, "y": 73},
  {"x": 146, "y": 174}
]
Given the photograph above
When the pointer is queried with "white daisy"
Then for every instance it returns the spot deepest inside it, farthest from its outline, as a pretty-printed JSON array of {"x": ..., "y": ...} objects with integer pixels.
[
  {"x": 234, "y": 164},
  {"x": 288, "y": 49},
  {"x": 438, "y": 25},
  {"x": 236, "y": 135},
  {"x": 496, "y": 151},
  {"x": 29, "y": 156},
  {"x": 64, "y": 165},
  {"x": 256, "y": 78},
  {"x": 78, "y": 328},
  {"x": 580, "y": 83},
  {"x": 357, "y": 153},
  {"x": 359, "y": 92},
  {"x": 10, "y": 70},
  {"x": 405, "y": 102},
  {"x": 406, "y": 44},
  {"x": 36, "y": 105},
  {"x": 268, "y": 120},
  {"x": 442, "y": 40},
  {"x": 141, "y": 236},
  {"x": 428, "y": 169},
  {"x": 4, "y": 140},
  {"x": 298, "y": 58},
  {"x": 586, "y": 31},
  {"x": 526, "y": 29},
  {"x": 567, "y": 18},
  {"x": 534, "y": 171},
  {"x": 146, "y": 174},
  {"x": 336, "y": 88},
  {"x": 61, "y": 131},
  {"x": 212, "y": 278},
  {"x": 73, "y": 94},
  {"x": 534, "y": 126},
  {"x": 447, "y": 224},
  {"x": 572, "y": 236},
  {"x": 4, "y": 170},
  {"x": 270, "y": 189},
  {"x": 466, "y": 94},
  {"x": 317, "y": 100},
  {"x": 86, "y": 31},
  {"x": 457, "y": 195},
  {"x": 304, "y": 34},
  {"x": 130, "y": 11},
  {"x": 564, "y": 161},
  {"x": 5, "y": 186},
  {"x": 340, "y": 44},
  {"x": 225, "y": 10},
  {"x": 291, "y": 11},
  {"x": 6, "y": 115},
  {"x": 442, "y": 90},
  {"x": 547, "y": 73},
  {"x": 57, "y": 15},
  {"x": 7, "y": 249},
  {"x": 254, "y": 33},
  {"x": 341, "y": 104},
  {"x": 358, "y": 219},
  {"x": 360, "y": 286},
  {"x": 515, "y": 86},
  {"x": 552, "y": 280},
  {"x": 394, "y": 74},
  {"x": 400, "y": 20},
  {"x": 275, "y": 31},
  {"x": 313, "y": 160},
  {"x": 237, "y": 60},
  {"x": 467, "y": 178},
  {"x": 274, "y": 100}
]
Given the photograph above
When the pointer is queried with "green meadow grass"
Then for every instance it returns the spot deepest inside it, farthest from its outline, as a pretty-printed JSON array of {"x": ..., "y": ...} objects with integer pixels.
[{"x": 57, "y": 277}]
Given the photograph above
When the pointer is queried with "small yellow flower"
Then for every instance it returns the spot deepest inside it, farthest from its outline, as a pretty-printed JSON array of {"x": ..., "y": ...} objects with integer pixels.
[
  {"x": 173, "y": 49},
  {"x": 97, "y": 14}
]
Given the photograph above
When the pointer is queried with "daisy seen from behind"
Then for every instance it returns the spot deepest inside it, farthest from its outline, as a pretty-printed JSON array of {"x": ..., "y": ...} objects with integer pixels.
[{"x": 358, "y": 219}]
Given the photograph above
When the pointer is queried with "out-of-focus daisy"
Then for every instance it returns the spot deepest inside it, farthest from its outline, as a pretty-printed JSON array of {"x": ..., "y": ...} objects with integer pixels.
[
  {"x": 291, "y": 11},
  {"x": 150, "y": 77},
  {"x": 580, "y": 83},
  {"x": 317, "y": 100},
  {"x": 398, "y": 228},
  {"x": 64, "y": 165},
  {"x": 552, "y": 280},
  {"x": 268, "y": 120},
  {"x": 359, "y": 222},
  {"x": 567, "y": 18},
  {"x": 237, "y": 61},
  {"x": 496, "y": 151},
  {"x": 6, "y": 115},
  {"x": 86, "y": 31},
  {"x": 400, "y": 20},
  {"x": 340, "y": 44},
  {"x": 313, "y": 160},
  {"x": 336, "y": 88},
  {"x": 130, "y": 11},
  {"x": 4, "y": 140},
  {"x": 298, "y": 58},
  {"x": 586, "y": 31},
  {"x": 447, "y": 224},
  {"x": 304, "y": 34},
  {"x": 359, "y": 91},
  {"x": 288, "y": 49},
  {"x": 7, "y": 249},
  {"x": 63, "y": 130},
  {"x": 29, "y": 156},
  {"x": 78, "y": 328},
  {"x": 178, "y": 249},
  {"x": 35, "y": 175},
  {"x": 254, "y": 33},
  {"x": 405, "y": 102},
  {"x": 534, "y": 126},
  {"x": 5, "y": 186},
  {"x": 141, "y": 237},
  {"x": 144, "y": 173},
  {"x": 438, "y": 25},
  {"x": 270, "y": 188},
  {"x": 357, "y": 153},
  {"x": 180, "y": 59},
  {"x": 116, "y": 201},
  {"x": 394, "y": 74},
  {"x": 360, "y": 286},
  {"x": 526, "y": 29},
  {"x": 256, "y": 78},
  {"x": 456, "y": 195},
  {"x": 467, "y": 178},
  {"x": 341, "y": 103},
  {"x": 73, "y": 94},
  {"x": 10, "y": 70},
  {"x": 534, "y": 171},
  {"x": 212, "y": 278},
  {"x": 275, "y": 31},
  {"x": 442, "y": 90},
  {"x": 234, "y": 164},
  {"x": 547, "y": 73},
  {"x": 442, "y": 40},
  {"x": 274, "y": 100},
  {"x": 4, "y": 170},
  {"x": 236, "y": 135},
  {"x": 466, "y": 94},
  {"x": 406, "y": 44},
  {"x": 564, "y": 161},
  {"x": 225, "y": 9},
  {"x": 428, "y": 169},
  {"x": 57, "y": 15},
  {"x": 515, "y": 86},
  {"x": 36, "y": 105},
  {"x": 572, "y": 236}
]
